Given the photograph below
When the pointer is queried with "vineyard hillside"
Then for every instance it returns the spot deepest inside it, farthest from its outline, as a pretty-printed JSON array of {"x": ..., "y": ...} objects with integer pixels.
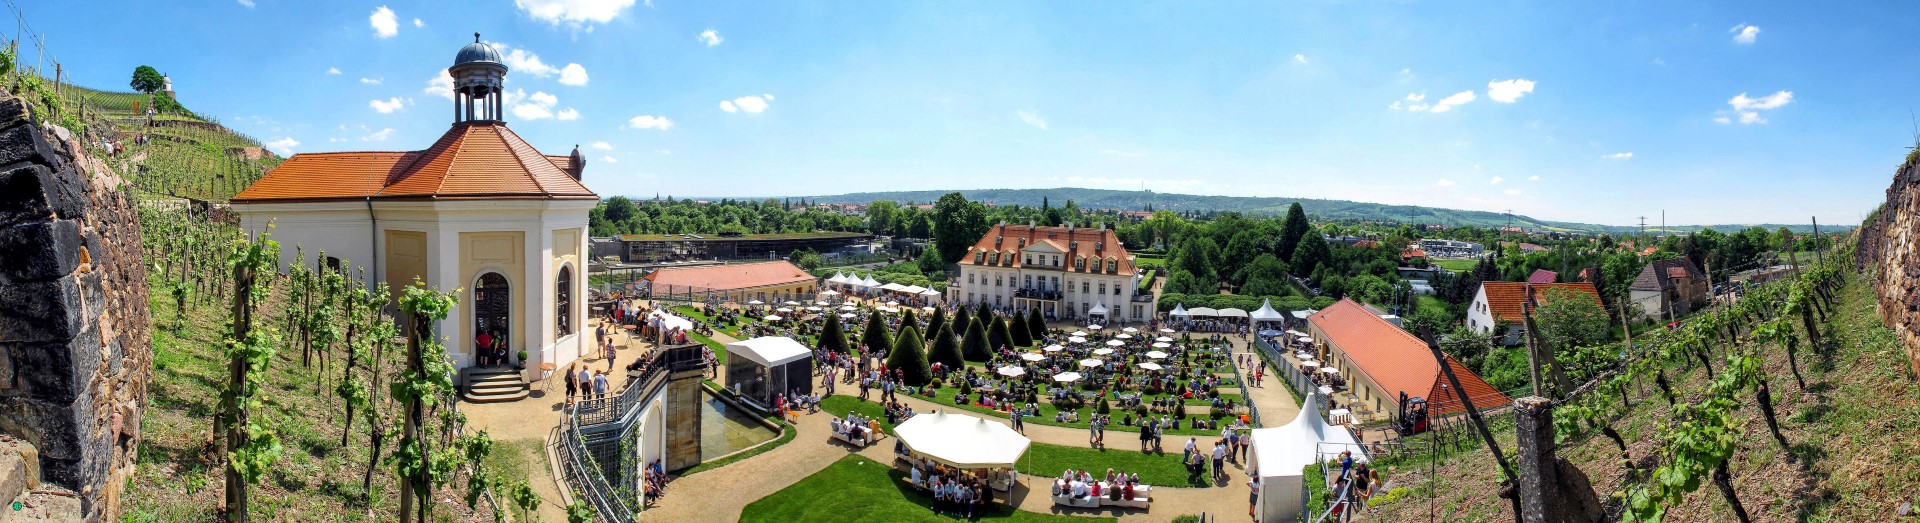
[
  {"x": 1848, "y": 452},
  {"x": 169, "y": 151}
]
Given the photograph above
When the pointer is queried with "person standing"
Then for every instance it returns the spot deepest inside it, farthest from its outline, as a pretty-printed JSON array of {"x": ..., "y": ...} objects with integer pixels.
[
  {"x": 573, "y": 384},
  {"x": 600, "y": 385},
  {"x": 1019, "y": 426},
  {"x": 1253, "y": 495},
  {"x": 483, "y": 345},
  {"x": 1219, "y": 459}
]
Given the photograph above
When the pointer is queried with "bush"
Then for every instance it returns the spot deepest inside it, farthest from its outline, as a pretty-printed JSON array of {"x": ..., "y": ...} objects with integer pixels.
[
  {"x": 1140, "y": 410},
  {"x": 1103, "y": 408},
  {"x": 974, "y": 345},
  {"x": 999, "y": 335},
  {"x": 910, "y": 356},
  {"x": 1022, "y": 336},
  {"x": 1036, "y": 325},
  {"x": 945, "y": 350}
]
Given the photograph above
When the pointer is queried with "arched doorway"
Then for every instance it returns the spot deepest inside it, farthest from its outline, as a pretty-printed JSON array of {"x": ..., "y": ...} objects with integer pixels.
[{"x": 492, "y": 303}]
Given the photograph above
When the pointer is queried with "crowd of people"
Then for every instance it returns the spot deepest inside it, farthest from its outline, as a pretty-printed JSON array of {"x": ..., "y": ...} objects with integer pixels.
[{"x": 1081, "y": 485}]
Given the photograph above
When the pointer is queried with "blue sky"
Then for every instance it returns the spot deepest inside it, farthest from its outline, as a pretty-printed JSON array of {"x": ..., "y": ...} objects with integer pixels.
[{"x": 1600, "y": 112}]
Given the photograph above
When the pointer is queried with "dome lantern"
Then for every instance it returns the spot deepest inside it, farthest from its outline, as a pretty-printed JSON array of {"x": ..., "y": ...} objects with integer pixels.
[{"x": 479, "y": 77}]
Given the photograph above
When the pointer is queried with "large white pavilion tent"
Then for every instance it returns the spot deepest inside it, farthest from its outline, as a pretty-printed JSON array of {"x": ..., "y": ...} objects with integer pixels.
[
  {"x": 1281, "y": 455},
  {"x": 1266, "y": 312},
  {"x": 965, "y": 442}
]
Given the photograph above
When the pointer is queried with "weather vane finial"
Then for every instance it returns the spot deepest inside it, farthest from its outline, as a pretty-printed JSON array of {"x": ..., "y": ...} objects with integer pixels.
[{"x": 476, "y": 37}]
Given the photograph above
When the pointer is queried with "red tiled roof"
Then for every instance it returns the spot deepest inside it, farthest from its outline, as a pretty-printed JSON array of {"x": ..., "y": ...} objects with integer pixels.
[
  {"x": 1414, "y": 253},
  {"x": 1005, "y": 239},
  {"x": 1505, "y": 297},
  {"x": 1542, "y": 276},
  {"x": 1650, "y": 278},
  {"x": 1397, "y": 362},
  {"x": 728, "y": 277},
  {"x": 472, "y": 160}
]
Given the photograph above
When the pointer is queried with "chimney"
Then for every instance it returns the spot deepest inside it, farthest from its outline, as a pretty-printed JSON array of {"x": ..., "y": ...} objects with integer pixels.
[
  {"x": 1069, "y": 227},
  {"x": 577, "y": 163}
]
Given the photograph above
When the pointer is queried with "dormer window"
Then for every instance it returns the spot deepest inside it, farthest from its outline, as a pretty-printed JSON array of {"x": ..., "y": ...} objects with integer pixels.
[
  {"x": 995, "y": 260},
  {"x": 1099, "y": 246},
  {"x": 979, "y": 258},
  {"x": 1075, "y": 244},
  {"x": 1022, "y": 242},
  {"x": 1113, "y": 265},
  {"x": 1079, "y": 263}
]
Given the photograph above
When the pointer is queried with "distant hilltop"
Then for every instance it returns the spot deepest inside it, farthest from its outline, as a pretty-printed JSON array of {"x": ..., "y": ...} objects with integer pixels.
[{"x": 1323, "y": 209}]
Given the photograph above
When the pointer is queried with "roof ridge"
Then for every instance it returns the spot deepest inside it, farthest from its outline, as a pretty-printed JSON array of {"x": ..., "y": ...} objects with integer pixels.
[
  {"x": 453, "y": 150},
  {"x": 528, "y": 169}
]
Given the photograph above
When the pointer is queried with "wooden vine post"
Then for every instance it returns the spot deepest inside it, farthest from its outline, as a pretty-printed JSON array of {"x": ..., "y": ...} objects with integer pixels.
[{"x": 250, "y": 444}]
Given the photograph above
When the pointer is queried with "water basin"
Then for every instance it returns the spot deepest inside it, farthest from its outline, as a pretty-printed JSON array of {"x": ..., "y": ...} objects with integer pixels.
[{"x": 725, "y": 429}]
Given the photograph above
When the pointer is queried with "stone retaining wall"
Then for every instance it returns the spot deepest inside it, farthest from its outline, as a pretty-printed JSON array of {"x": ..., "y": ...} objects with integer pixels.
[{"x": 1890, "y": 250}]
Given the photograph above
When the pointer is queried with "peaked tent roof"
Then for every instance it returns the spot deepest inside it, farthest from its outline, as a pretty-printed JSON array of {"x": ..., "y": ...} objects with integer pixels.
[
  {"x": 1396, "y": 361},
  {"x": 1179, "y": 309},
  {"x": 1287, "y": 449},
  {"x": 1266, "y": 312},
  {"x": 870, "y": 282},
  {"x": 473, "y": 160}
]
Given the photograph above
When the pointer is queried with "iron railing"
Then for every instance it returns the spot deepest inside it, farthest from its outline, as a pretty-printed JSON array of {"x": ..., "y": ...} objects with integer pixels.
[{"x": 610, "y": 421}]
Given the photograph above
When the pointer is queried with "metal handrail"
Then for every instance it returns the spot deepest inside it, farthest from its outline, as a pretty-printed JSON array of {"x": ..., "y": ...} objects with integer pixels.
[{"x": 616, "y": 415}]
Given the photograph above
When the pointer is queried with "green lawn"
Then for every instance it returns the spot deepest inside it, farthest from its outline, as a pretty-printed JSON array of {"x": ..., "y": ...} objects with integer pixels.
[
  {"x": 856, "y": 489},
  {"x": 1047, "y": 411},
  {"x": 719, "y": 350},
  {"x": 1456, "y": 265}
]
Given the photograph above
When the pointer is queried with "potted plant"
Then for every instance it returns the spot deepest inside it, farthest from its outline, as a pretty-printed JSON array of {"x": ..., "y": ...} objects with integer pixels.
[{"x": 522, "y": 363}]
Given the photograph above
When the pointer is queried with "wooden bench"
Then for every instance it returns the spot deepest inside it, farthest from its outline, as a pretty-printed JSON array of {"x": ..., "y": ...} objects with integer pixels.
[{"x": 865, "y": 442}]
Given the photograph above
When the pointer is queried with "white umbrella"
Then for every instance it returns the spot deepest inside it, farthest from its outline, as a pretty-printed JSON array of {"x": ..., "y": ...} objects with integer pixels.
[
  {"x": 1129, "y": 329},
  {"x": 791, "y": 302},
  {"x": 783, "y": 309},
  {"x": 1156, "y": 354},
  {"x": 1163, "y": 339},
  {"x": 1166, "y": 331},
  {"x": 1306, "y": 339},
  {"x": 1330, "y": 370},
  {"x": 829, "y": 292},
  {"x": 1162, "y": 345},
  {"x": 773, "y": 317},
  {"x": 1309, "y": 364},
  {"x": 1032, "y": 357},
  {"x": 1053, "y": 348},
  {"x": 1079, "y": 333},
  {"x": 1089, "y": 362},
  {"x": 1150, "y": 366},
  {"x": 814, "y": 309},
  {"x": 1011, "y": 371},
  {"x": 928, "y": 309},
  {"x": 846, "y": 315},
  {"x": 1094, "y": 327},
  {"x": 1115, "y": 343},
  {"x": 891, "y": 302},
  {"x": 1102, "y": 352},
  {"x": 1067, "y": 377},
  {"x": 1308, "y": 360},
  {"x": 1123, "y": 337},
  {"x": 849, "y": 308},
  {"x": 1295, "y": 332},
  {"x": 1076, "y": 339},
  {"x": 755, "y": 302}
]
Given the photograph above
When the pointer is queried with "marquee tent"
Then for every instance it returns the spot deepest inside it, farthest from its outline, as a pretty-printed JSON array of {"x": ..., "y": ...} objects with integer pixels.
[
  {"x": 1281, "y": 455},
  {"x": 761, "y": 369},
  {"x": 1266, "y": 312},
  {"x": 1232, "y": 313},
  {"x": 1202, "y": 312},
  {"x": 962, "y": 441}
]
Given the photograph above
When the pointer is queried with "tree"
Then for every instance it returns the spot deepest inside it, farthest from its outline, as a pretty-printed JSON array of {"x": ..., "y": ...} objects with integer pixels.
[
  {"x": 1568, "y": 318},
  {"x": 1036, "y": 324},
  {"x": 620, "y": 210},
  {"x": 957, "y": 224},
  {"x": 883, "y": 217},
  {"x": 929, "y": 263},
  {"x": 875, "y": 339},
  {"x": 1266, "y": 276},
  {"x": 999, "y": 335},
  {"x": 946, "y": 350},
  {"x": 938, "y": 320},
  {"x": 832, "y": 339},
  {"x": 147, "y": 80},
  {"x": 1292, "y": 230},
  {"x": 909, "y": 356},
  {"x": 974, "y": 344},
  {"x": 1311, "y": 253},
  {"x": 1018, "y": 331},
  {"x": 806, "y": 259}
]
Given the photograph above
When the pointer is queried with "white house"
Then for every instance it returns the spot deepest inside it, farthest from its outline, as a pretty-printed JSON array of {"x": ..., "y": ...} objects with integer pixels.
[
  {"x": 1498, "y": 306},
  {"x": 1065, "y": 272},
  {"x": 479, "y": 210}
]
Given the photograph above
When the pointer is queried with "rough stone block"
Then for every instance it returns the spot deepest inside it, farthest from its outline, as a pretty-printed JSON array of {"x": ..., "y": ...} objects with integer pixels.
[
  {"x": 39, "y": 251},
  {"x": 25, "y": 143},
  {"x": 13, "y": 111},
  {"x": 23, "y": 194},
  {"x": 56, "y": 372},
  {"x": 13, "y": 475},
  {"x": 40, "y": 311}
]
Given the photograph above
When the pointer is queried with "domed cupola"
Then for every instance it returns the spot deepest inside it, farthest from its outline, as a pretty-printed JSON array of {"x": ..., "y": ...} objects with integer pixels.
[{"x": 479, "y": 77}]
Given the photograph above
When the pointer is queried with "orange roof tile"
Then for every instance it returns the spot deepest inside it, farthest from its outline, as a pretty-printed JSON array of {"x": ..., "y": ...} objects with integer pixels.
[
  {"x": 1395, "y": 361},
  {"x": 1505, "y": 297},
  {"x": 472, "y": 160},
  {"x": 1060, "y": 238},
  {"x": 728, "y": 277}
]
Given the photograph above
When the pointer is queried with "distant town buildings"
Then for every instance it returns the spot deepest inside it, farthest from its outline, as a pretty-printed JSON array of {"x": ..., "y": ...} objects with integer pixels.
[
  {"x": 1668, "y": 289},
  {"x": 1497, "y": 307},
  {"x": 1439, "y": 248}
]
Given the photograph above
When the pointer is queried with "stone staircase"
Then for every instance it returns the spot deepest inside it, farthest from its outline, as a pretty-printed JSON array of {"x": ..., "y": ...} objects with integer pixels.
[
  {"x": 492, "y": 384},
  {"x": 25, "y": 498}
]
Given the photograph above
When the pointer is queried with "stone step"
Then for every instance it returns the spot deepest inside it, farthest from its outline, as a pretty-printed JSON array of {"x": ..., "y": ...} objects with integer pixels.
[
  {"x": 491, "y": 388},
  {"x": 495, "y": 378},
  {"x": 476, "y": 397}
]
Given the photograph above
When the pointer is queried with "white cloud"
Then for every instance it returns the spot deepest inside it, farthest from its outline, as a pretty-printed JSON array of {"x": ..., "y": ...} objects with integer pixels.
[
  {"x": 1745, "y": 34},
  {"x": 1746, "y": 109},
  {"x": 1508, "y": 91},
  {"x": 1301, "y": 58},
  {"x": 574, "y": 12},
  {"x": 441, "y": 85},
  {"x": 749, "y": 104},
  {"x": 387, "y": 106},
  {"x": 710, "y": 37},
  {"x": 604, "y": 146},
  {"x": 1406, "y": 70},
  {"x": 1513, "y": 192},
  {"x": 248, "y": 3},
  {"x": 539, "y": 106},
  {"x": 284, "y": 146},
  {"x": 369, "y": 81},
  {"x": 1444, "y": 182},
  {"x": 1413, "y": 102},
  {"x": 1496, "y": 180},
  {"x": 1662, "y": 62},
  {"x": 609, "y": 159},
  {"x": 522, "y": 61},
  {"x": 333, "y": 71},
  {"x": 1533, "y": 178},
  {"x": 1032, "y": 119},
  {"x": 1448, "y": 103},
  {"x": 567, "y": 114},
  {"x": 1619, "y": 156},
  {"x": 419, "y": 23},
  {"x": 573, "y": 74},
  {"x": 378, "y": 136},
  {"x": 385, "y": 25},
  {"x": 648, "y": 121},
  {"x": 1741, "y": 102}
]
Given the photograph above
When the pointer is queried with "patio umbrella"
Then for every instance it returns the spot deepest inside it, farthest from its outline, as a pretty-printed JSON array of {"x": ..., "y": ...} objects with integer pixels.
[
  {"x": 1094, "y": 327},
  {"x": 1123, "y": 337},
  {"x": 791, "y": 302},
  {"x": 1150, "y": 366},
  {"x": 1079, "y": 333},
  {"x": 1076, "y": 339},
  {"x": 823, "y": 302},
  {"x": 846, "y": 315},
  {"x": 772, "y": 317},
  {"x": 1309, "y": 364},
  {"x": 1156, "y": 354},
  {"x": 1305, "y": 339},
  {"x": 1115, "y": 343},
  {"x": 1102, "y": 352},
  {"x": 1129, "y": 329},
  {"x": 1307, "y": 360},
  {"x": 814, "y": 309},
  {"x": 1011, "y": 371},
  {"x": 1166, "y": 331},
  {"x": 1295, "y": 332},
  {"x": 849, "y": 308},
  {"x": 1067, "y": 377},
  {"x": 891, "y": 302},
  {"x": 928, "y": 309},
  {"x": 1269, "y": 332},
  {"x": 1089, "y": 362},
  {"x": 783, "y": 309},
  {"x": 1162, "y": 345},
  {"x": 1330, "y": 370},
  {"x": 1032, "y": 357},
  {"x": 755, "y": 302},
  {"x": 1053, "y": 348},
  {"x": 1163, "y": 339}
]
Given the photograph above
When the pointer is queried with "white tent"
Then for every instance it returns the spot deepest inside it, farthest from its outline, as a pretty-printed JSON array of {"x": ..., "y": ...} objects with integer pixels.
[
  {"x": 1179, "y": 311},
  {"x": 838, "y": 278},
  {"x": 1232, "y": 313},
  {"x": 1011, "y": 371},
  {"x": 913, "y": 289},
  {"x": 762, "y": 369},
  {"x": 1202, "y": 312},
  {"x": 869, "y": 282},
  {"x": 769, "y": 350},
  {"x": 670, "y": 322},
  {"x": 962, "y": 441},
  {"x": 893, "y": 287},
  {"x": 1099, "y": 309},
  {"x": 1266, "y": 312},
  {"x": 1301, "y": 315},
  {"x": 1281, "y": 455}
]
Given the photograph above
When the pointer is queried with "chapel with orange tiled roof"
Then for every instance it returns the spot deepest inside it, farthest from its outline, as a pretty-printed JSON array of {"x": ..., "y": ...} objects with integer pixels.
[{"x": 478, "y": 209}]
